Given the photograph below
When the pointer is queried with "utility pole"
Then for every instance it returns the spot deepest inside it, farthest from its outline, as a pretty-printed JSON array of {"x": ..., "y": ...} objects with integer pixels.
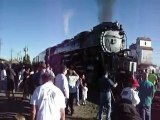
[
  {"x": 0, "y": 47},
  {"x": 20, "y": 56},
  {"x": 11, "y": 55}
]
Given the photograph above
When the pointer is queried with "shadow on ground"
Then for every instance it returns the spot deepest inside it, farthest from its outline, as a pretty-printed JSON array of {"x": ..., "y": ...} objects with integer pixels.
[
  {"x": 10, "y": 108},
  {"x": 76, "y": 118}
]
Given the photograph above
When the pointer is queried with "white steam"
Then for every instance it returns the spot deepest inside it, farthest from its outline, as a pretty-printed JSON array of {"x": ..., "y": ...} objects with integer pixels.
[
  {"x": 67, "y": 17},
  {"x": 105, "y": 10}
]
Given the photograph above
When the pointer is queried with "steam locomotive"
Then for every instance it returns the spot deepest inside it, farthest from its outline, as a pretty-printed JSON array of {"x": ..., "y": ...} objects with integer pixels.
[{"x": 90, "y": 51}]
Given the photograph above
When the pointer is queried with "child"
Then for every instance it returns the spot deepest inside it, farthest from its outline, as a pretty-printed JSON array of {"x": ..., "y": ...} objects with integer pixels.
[{"x": 84, "y": 94}]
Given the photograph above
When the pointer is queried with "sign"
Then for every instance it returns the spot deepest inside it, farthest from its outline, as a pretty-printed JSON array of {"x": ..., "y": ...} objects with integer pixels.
[{"x": 132, "y": 66}]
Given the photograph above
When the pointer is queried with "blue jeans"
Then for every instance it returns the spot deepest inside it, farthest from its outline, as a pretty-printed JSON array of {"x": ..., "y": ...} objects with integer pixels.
[
  {"x": 77, "y": 96},
  {"x": 145, "y": 112},
  {"x": 105, "y": 101}
]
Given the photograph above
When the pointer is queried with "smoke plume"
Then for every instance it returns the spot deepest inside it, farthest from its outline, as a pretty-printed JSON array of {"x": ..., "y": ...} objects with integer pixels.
[
  {"x": 67, "y": 17},
  {"x": 105, "y": 8}
]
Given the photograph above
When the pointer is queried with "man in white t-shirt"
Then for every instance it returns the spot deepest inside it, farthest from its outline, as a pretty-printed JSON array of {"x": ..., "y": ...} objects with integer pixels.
[
  {"x": 48, "y": 102},
  {"x": 61, "y": 81}
]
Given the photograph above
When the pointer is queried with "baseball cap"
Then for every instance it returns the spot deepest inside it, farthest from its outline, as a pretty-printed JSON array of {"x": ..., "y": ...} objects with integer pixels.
[{"x": 134, "y": 82}]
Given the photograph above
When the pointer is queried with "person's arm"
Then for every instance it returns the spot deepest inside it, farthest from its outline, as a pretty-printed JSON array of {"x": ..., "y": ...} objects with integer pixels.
[
  {"x": 66, "y": 88},
  {"x": 135, "y": 99},
  {"x": 81, "y": 83},
  {"x": 76, "y": 75},
  {"x": 33, "y": 112},
  {"x": 112, "y": 83},
  {"x": 62, "y": 113},
  {"x": 151, "y": 91},
  {"x": 33, "y": 104}
]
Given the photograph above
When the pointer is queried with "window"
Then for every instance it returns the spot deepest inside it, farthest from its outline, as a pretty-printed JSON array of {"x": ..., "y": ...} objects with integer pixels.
[{"x": 145, "y": 43}]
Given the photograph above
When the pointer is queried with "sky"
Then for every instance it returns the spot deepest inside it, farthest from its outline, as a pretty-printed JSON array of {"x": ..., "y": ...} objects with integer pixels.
[{"x": 39, "y": 24}]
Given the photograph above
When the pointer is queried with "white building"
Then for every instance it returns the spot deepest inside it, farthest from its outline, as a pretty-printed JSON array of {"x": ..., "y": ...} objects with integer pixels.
[{"x": 142, "y": 50}]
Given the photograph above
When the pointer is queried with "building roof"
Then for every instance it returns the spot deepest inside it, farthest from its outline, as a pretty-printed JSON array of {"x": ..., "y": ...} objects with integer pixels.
[
  {"x": 144, "y": 38},
  {"x": 146, "y": 65},
  {"x": 146, "y": 48}
]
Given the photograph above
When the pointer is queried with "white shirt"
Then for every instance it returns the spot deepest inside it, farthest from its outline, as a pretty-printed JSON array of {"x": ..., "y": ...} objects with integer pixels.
[
  {"x": 3, "y": 74},
  {"x": 84, "y": 92},
  {"x": 130, "y": 94},
  {"x": 21, "y": 75},
  {"x": 72, "y": 80},
  {"x": 62, "y": 83},
  {"x": 49, "y": 100}
]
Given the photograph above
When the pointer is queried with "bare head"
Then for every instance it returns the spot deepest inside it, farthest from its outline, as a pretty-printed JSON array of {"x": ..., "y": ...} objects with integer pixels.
[
  {"x": 144, "y": 76},
  {"x": 43, "y": 66},
  {"x": 70, "y": 72},
  {"x": 153, "y": 71},
  {"x": 47, "y": 76},
  {"x": 64, "y": 69}
]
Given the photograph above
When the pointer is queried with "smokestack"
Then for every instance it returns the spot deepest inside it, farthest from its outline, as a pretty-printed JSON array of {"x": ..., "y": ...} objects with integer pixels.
[{"x": 105, "y": 8}]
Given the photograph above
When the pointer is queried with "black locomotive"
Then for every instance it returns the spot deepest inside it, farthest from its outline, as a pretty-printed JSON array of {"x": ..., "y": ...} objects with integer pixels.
[{"x": 90, "y": 51}]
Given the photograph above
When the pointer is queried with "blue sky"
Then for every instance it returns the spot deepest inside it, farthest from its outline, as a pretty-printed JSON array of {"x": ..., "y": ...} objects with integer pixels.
[{"x": 39, "y": 24}]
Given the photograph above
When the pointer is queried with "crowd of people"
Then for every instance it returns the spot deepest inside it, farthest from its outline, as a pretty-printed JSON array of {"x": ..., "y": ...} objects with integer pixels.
[
  {"x": 53, "y": 96},
  {"x": 135, "y": 100}
]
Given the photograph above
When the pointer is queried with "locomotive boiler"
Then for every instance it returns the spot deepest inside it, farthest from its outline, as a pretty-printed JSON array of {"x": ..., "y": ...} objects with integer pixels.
[{"x": 90, "y": 51}]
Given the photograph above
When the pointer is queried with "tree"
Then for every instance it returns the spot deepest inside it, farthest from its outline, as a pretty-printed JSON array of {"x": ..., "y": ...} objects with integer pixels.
[{"x": 26, "y": 60}]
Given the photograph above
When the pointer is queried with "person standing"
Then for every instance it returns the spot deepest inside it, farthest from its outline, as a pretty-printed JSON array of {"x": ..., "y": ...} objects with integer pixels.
[
  {"x": 62, "y": 83},
  {"x": 48, "y": 102},
  {"x": 84, "y": 94},
  {"x": 10, "y": 80},
  {"x": 72, "y": 77},
  {"x": 146, "y": 93},
  {"x": 25, "y": 83},
  {"x": 50, "y": 69},
  {"x": 131, "y": 92},
  {"x": 3, "y": 75},
  {"x": 152, "y": 77},
  {"x": 125, "y": 109},
  {"x": 78, "y": 83},
  {"x": 105, "y": 95}
]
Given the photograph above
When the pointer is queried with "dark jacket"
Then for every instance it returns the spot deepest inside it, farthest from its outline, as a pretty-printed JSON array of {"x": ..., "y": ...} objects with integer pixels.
[
  {"x": 125, "y": 111},
  {"x": 10, "y": 74}
]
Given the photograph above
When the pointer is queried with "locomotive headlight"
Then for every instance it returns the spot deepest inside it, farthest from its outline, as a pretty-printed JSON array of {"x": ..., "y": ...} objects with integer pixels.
[{"x": 125, "y": 53}]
